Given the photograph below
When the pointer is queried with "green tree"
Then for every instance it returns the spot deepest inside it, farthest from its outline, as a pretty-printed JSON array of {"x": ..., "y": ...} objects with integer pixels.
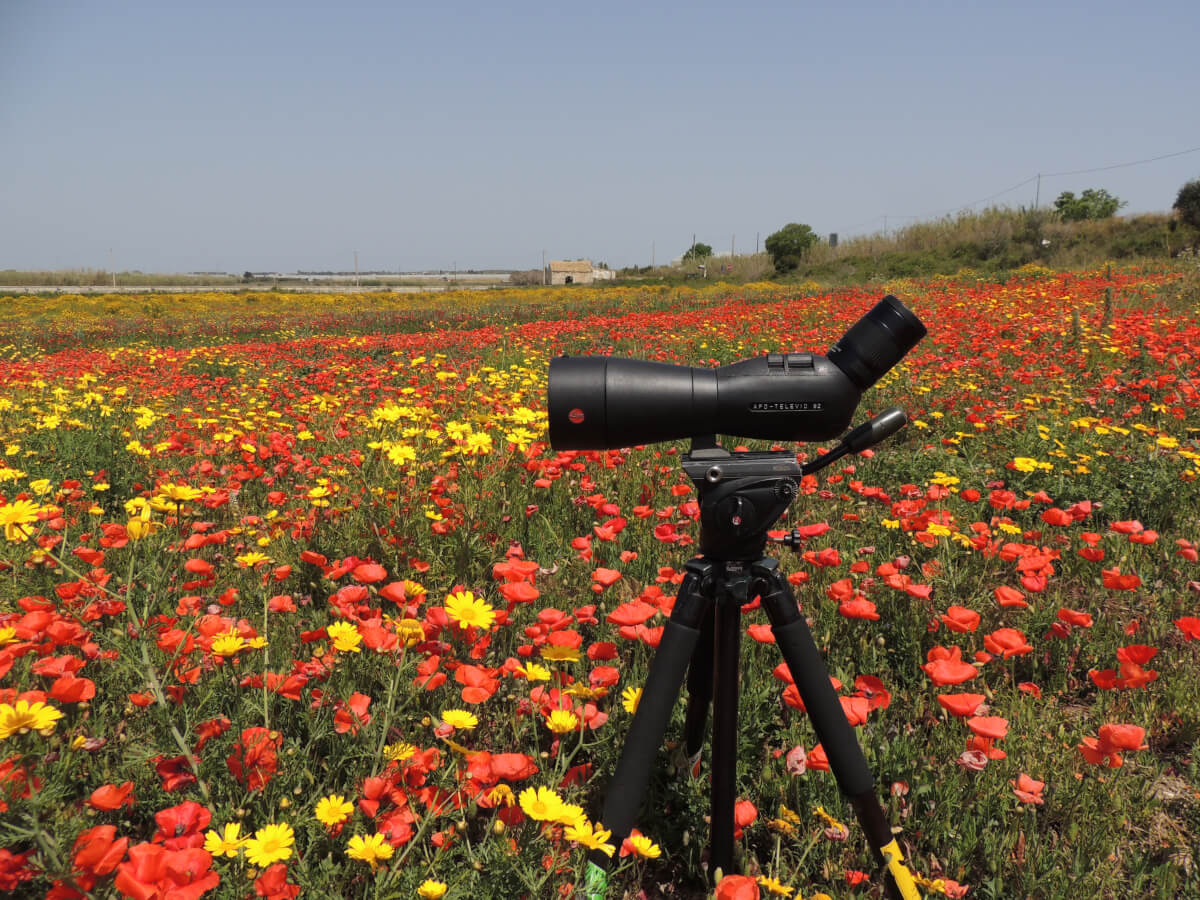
[
  {"x": 1187, "y": 204},
  {"x": 788, "y": 245},
  {"x": 698, "y": 251},
  {"x": 1091, "y": 204}
]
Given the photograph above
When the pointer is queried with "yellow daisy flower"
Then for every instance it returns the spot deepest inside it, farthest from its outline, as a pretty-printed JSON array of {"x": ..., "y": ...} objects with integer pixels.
[
  {"x": 560, "y": 721},
  {"x": 371, "y": 849},
  {"x": 333, "y": 810},
  {"x": 226, "y": 842},
  {"x": 590, "y": 836},
  {"x": 270, "y": 844},
  {"x": 469, "y": 611},
  {"x": 345, "y": 637},
  {"x": 25, "y": 716},
  {"x": 460, "y": 719}
]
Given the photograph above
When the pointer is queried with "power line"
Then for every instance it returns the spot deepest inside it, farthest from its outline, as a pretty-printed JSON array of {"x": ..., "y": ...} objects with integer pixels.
[
  {"x": 1030, "y": 180},
  {"x": 1136, "y": 162}
]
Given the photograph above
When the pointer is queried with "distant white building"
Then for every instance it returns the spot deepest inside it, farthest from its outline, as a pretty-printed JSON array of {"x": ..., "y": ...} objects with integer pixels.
[{"x": 570, "y": 271}]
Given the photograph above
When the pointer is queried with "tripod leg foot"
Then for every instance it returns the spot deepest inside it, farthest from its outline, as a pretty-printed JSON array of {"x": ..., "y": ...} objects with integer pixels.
[{"x": 837, "y": 736}]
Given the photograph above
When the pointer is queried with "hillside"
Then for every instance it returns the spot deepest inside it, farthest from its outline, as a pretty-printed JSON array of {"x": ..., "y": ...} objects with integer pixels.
[{"x": 991, "y": 241}]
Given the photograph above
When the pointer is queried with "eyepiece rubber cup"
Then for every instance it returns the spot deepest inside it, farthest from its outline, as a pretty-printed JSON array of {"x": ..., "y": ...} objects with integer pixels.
[{"x": 876, "y": 342}]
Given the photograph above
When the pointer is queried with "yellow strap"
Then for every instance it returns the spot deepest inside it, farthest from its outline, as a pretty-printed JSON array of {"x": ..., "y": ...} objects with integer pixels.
[{"x": 895, "y": 863}]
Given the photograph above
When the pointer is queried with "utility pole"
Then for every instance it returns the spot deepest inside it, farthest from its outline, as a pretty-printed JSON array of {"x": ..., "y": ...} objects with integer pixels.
[
  {"x": 732, "y": 239},
  {"x": 756, "y": 243},
  {"x": 652, "y": 254},
  {"x": 543, "y": 268},
  {"x": 356, "y": 268},
  {"x": 1038, "y": 193},
  {"x": 112, "y": 268}
]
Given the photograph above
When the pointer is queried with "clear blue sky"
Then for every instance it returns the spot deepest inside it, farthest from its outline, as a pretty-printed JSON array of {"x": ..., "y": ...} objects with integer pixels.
[{"x": 233, "y": 136}]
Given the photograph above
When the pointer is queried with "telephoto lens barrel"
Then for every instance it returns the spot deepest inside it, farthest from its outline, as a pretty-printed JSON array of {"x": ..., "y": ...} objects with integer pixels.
[{"x": 603, "y": 402}]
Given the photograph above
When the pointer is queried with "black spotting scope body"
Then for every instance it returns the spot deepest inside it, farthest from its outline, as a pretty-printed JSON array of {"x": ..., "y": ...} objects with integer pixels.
[{"x": 603, "y": 402}]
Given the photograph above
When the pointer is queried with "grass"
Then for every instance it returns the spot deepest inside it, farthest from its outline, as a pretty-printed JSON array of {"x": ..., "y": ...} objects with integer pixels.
[{"x": 993, "y": 241}]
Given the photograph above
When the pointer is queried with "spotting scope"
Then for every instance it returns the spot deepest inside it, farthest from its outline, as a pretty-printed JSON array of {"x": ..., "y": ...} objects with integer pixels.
[{"x": 604, "y": 402}]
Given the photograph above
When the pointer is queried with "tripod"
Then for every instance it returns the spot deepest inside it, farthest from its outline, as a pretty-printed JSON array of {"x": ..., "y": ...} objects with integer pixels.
[{"x": 741, "y": 496}]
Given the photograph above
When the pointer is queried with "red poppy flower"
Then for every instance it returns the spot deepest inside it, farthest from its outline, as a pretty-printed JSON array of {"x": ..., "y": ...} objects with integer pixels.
[
  {"x": 856, "y": 709},
  {"x": 1190, "y": 626},
  {"x": 72, "y": 689},
  {"x": 737, "y": 887},
  {"x": 960, "y": 619},
  {"x": 961, "y": 705},
  {"x": 991, "y": 727},
  {"x": 110, "y": 797},
  {"x": 154, "y": 871},
  {"x": 273, "y": 884},
  {"x": 253, "y": 761},
  {"x": 602, "y": 651},
  {"x": 872, "y": 688},
  {"x": 1114, "y": 580},
  {"x": 1007, "y": 642},
  {"x": 281, "y": 603},
  {"x": 632, "y": 613},
  {"x": 176, "y": 773},
  {"x": 1028, "y": 790},
  {"x": 859, "y": 608},
  {"x": 605, "y": 577},
  {"x": 1010, "y": 597},
  {"x": 1074, "y": 617},
  {"x": 513, "y": 766},
  {"x": 986, "y": 746},
  {"x": 1056, "y": 516},
  {"x": 15, "y": 869},
  {"x": 478, "y": 684},
  {"x": 817, "y": 759},
  {"x": 1129, "y": 527},
  {"x": 946, "y": 666},
  {"x": 210, "y": 729},
  {"x": 1123, "y": 737},
  {"x": 353, "y": 715},
  {"x": 1138, "y": 654},
  {"x": 368, "y": 573},
  {"x": 744, "y": 815},
  {"x": 198, "y": 567},
  {"x": 182, "y": 827},
  {"x": 519, "y": 592},
  {"x": 96, "y": 854}
]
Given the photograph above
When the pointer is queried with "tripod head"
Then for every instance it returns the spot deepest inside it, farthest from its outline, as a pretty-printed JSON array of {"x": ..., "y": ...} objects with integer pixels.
[{"x": 742, "y": 493}]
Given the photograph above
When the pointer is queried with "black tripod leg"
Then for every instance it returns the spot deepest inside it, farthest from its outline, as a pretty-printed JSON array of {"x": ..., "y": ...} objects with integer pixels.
[
  {"x": 628, "y": 786},
  {"x": 700, "y": 692},
  {"x": 726, "y": 652},
  {"x": 834, "y": 731}
]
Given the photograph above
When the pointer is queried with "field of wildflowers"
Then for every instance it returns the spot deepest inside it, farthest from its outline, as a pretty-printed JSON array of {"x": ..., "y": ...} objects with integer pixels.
[{"x": 296, "y": 600}]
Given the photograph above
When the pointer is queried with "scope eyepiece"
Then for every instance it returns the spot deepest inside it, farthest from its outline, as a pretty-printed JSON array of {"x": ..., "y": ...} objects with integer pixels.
[{"x": 876, "y": 342}]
